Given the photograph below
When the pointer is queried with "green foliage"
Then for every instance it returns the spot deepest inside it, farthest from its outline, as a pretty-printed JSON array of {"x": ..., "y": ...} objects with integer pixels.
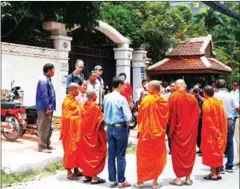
[
  {"x": 9, "y": 179},
  {"x": 22, "y": 20},
  {"x": 150, "y": 25},
  {"x": 226, "y": 36}
]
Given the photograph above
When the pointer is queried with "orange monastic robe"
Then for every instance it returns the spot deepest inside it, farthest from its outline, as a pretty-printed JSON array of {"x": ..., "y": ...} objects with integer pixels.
[
  {"x": 214, "y": 132},
  {"x": 69, "y": 130},
  {"x": 183, "y": 119},
  {"x": 93, "y": 140},
  {"x": 151, "y": 148}
]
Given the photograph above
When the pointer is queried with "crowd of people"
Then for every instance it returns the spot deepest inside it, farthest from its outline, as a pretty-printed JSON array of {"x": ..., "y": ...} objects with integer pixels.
[{"x": 94, "y": 122}]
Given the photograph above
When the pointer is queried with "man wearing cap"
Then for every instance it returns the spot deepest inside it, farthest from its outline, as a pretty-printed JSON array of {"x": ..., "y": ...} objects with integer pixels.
[{"x": 99, "y": 84}]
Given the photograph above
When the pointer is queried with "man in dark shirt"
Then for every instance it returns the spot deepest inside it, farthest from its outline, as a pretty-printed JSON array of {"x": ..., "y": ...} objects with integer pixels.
[
  {"x": 45, "y": 105},
  {"x": 76, "y": 75}
]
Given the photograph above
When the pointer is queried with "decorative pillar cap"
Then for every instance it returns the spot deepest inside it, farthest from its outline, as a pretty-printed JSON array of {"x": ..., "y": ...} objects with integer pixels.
[{"x": 56, "y": 28}]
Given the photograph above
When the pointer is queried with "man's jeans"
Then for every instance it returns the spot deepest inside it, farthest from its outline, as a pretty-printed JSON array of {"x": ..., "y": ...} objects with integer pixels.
[
  {"x": 229, "y": 149},
  {"x": 117, "y": 145}
]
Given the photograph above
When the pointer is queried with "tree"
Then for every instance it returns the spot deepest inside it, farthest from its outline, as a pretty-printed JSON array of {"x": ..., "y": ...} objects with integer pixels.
[
  {"x": 226, "y": 35},
  {"x": 151, "y": 25},
  {"x": 22, "y": 21}
]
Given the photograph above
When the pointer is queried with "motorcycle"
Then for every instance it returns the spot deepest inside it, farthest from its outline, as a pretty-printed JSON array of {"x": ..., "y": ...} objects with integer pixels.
[
  {"x": 13, "y": 122},
  {"x": 17, "y": 119},
  {"x": 133, "y": 122}
]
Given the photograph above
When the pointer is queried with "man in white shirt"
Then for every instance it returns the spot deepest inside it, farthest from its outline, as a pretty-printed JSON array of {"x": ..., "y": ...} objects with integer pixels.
[
  {"x": 99, "y": 83},
  {"x": 235, "y": 94},
  {"x": 230, "y": 104}
]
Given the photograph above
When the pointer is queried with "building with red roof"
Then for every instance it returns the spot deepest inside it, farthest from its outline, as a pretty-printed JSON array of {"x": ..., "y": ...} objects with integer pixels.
[{"x": 192, "y": 60}]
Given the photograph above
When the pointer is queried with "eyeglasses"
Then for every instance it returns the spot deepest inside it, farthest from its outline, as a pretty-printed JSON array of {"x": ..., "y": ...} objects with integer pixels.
[{"x": 80, "y": 66}]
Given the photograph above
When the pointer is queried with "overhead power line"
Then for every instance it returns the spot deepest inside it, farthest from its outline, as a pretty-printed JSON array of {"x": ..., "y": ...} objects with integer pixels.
[{"x": 222, "y": 9}]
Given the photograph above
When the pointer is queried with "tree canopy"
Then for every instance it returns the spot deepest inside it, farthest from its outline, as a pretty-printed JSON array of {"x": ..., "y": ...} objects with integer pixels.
[
  {"x": 22, "y": 20},
  {"x": 155, "y": 26},
  {"x": 226, "y": 35}
]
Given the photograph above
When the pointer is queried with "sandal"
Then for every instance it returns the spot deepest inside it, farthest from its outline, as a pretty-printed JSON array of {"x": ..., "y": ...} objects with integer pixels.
[
  {"x": 156, "y": 186},
  {"x": 100, "y": 181},
  {"x": 136, "y": 185},
  {"x": 209, "y": 177},
  {"x": 219, "y": 178},
  {"x": 87, "y": 179},
  {"x": 72, "y": 177},
  {"x": 188, "y": 183},
  {"x": 173, "y": 182},
  {"x": 78, "y": 174}
]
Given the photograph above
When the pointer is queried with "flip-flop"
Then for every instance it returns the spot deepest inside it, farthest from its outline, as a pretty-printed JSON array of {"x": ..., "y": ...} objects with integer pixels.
[
  {"x": 88, "y": 179},
  {"x": 209, "y": 177},
  {"x": 100, "y": 181},
  {"x": 72, "y": 177},
  {"x": 173, "y": 182},
  {"x": 219, "y": 178},
  {"x": 136, "y": 185},
  {"x": 189, "y": 184}
]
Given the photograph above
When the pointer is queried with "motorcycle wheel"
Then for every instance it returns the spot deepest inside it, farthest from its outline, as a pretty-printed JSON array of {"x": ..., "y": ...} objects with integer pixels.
[
  {"x": 16, "y": 129},
  {"x": 133, "y": 122}
]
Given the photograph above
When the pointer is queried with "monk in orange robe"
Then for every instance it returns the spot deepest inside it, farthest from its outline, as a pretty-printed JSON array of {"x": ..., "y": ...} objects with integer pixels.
[
  {"x": 183, "y": 119},
  {"x": 151, "y": 148},
  {"x": 93, "y": 140},
  {"x": 69, "y": 128},
  {"x": 214, "y": 134}
]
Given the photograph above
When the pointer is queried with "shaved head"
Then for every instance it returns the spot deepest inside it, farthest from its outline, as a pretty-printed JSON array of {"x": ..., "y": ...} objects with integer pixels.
[
  {"x": 73, "y": 86},
  {"x": 73, "y": 89},
  {"x": 91, "y": 94},
  {"x": 180, "y": 83},
  {"x": 154, "y": 87}
]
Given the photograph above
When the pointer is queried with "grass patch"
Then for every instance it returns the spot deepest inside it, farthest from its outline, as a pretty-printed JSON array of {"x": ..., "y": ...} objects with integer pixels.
[{"x": 9, "y": 179}]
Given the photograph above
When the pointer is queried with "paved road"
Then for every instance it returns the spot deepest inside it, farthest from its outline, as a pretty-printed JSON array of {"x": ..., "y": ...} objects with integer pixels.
[
  {"x": 59, "y": 181},
  {"x": 22, "y": 155}
]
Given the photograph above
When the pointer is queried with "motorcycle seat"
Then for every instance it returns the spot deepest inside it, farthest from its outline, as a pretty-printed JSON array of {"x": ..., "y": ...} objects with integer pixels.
[{"x": 10, "y": 105}]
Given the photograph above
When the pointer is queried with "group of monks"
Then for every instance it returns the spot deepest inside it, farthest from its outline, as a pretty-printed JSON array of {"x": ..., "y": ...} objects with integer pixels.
[
  {"x": 180, "y": 113},
  {"x": 84, "y": 138}
]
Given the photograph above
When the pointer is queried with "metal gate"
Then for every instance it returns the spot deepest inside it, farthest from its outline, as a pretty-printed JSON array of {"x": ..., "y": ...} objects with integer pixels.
[{"x": 93, "y": 57}]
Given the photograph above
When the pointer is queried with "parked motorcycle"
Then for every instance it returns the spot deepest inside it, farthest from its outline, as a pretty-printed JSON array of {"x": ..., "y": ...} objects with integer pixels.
[
  {"x": 133, "y": 122},
  {"x": 13, "y": 122},
  {"x": 16, "y": 120}
]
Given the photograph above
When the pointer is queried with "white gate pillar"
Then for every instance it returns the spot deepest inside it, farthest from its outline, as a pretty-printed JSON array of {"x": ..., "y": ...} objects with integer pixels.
[
  {"x": 138, "y": 64},
  {"x": 123, "y": 56}
]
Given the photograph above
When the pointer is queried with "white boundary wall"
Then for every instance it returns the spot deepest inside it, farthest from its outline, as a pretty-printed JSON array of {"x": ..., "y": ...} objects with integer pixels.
[{"x": 24, "y": 64}]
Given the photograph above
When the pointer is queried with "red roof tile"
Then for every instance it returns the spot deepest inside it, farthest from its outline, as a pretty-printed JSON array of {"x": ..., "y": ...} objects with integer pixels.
[
  {"x": 181, "y": 64},
  {"x": 188, "y": 64},
  {"x": 187, "y": 48},
  {"x": 217, "y": 66}
]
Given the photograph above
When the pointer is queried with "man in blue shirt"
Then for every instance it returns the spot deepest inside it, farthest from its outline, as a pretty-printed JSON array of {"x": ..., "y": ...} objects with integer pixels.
[
  {"x": 117, "y": 115},
  {"x": 45, "y": 105},
  {"x": 76, "y": 76}
]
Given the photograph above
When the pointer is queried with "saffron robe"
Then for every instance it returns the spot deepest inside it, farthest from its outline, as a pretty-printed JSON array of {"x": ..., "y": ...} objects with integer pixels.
[
  {"x": 69, "y": 129},
  {"x": 183, "y": 120},
  {"x": 214, "y": 132},
  {"x": 151, "y": 149},
  {"x": 93, "y": 140}
]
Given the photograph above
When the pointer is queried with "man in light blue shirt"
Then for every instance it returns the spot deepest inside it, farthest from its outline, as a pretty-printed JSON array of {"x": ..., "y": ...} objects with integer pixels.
[{"x": 117, "y": 115}]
